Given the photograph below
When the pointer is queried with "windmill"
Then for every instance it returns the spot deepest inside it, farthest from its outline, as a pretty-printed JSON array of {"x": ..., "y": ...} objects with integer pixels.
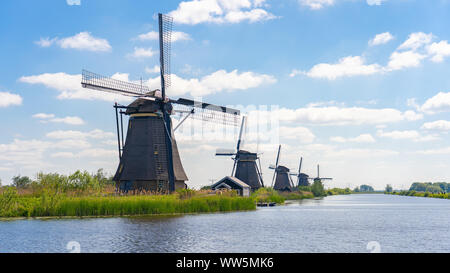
[
  {"x": 281, "y": 176},
  {"x": 245, "y": 167},
  {"x": 318, "y": 178},
  {"x": 302, "y": 178},
  {"x": 149, "y": 158}
]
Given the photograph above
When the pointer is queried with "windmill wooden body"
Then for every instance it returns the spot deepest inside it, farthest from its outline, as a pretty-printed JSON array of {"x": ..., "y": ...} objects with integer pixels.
[
  {"x": 281, "y": 176},
  {"x": 149, "y": 157},
  {"x": 302, "y": 178},
  {"x": 245, "y": 166}
]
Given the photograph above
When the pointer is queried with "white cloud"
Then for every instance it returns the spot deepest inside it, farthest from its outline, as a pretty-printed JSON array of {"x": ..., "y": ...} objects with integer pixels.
[
  {"x": 220, "y": 11},
  {"x": 438, "y": 125},
  {"x": 333, "y": 115},
  {"x": 375, "y": 2},
  {"x": 346, "y": 67},
  {"x": 409, "y": 54},
  {"x": 140, "y": 52},
  {"x": 153, "y": 70},
  {"x": 69, "y": 134},
  {"x": 300, "y": 134},
  {"x": 316, "y": 4},
  {"x": 69, "y": 87},
  {"x": 46, "y": 42},
  {"x": 175, "y": 36},
  {"x": 363, "y": 138},
  {"x": 400, "y": 60},
  {"x": 73, "y": 2},
  {"x": 441, "y": 151},
  {"x": 51, "y": 118},
  {"x": 68, "y": 120},
  {"x": 408, "y": 134},
  {"x": 43, "y": 116},
  {"x": 81, "y": 41},
  {"x": 438, "y": 103},
  {"x": 87, "y": 153},
  {"x": 416, "y": 40},
  {"x": 8, "y": 99},
  {"x": 215, "y": 82},
  {"x": 381, "y": 38},
  {"x": 439, "y": 51}
]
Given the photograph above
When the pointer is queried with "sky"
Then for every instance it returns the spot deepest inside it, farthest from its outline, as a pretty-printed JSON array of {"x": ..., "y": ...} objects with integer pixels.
[{"x": 360, "y": 87}]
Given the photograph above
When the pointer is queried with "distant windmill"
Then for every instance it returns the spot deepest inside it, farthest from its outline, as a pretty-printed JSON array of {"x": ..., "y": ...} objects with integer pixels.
[
  {"x": 318, "y": 178},
  {"x": 149, "y": 158},
  {"x": 245, "y": 167},
  {"x": 281, "y": 176},
  {"x": 302, "y": 178}
]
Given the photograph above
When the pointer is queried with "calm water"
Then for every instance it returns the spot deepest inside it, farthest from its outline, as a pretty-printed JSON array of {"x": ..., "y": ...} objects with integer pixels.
[{"x": 333, "y": 224}]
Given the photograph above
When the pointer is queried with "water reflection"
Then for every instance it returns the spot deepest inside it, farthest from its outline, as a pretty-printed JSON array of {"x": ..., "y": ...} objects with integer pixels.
[{"x": 333, "y": 224}]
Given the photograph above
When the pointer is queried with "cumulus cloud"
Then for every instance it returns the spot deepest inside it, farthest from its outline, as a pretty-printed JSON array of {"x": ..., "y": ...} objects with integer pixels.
[
  {"x": 401, "y": 60},
  {"x": 81, "y": 41},
  {"x": 363, "y": 138},
  {"x": 438, "y": 125},
  {"x": 438, "y": 103},
  {"x": 51, "y": 118},
  {"x": 416, "y": 40},
  {"x": 140, "y": 52},
  {"x": 439, "y": 51},
  {"x": 70, "y": 134},
  {"x": 409, "y": 54},
  {"x": 220, "y": 11},
  {"x": 152, "y": 70},
  {"x": 407, "y": 134},
  {"x": 381, "y": 38},
  {"x": 69, "y": 86},
  {"x": 73, "y": 2},
  {"x": 9, "y": 99},
  {"x": 316, "y": 4},
  {"x": 375, "y": 2},
  {"x": 175, "y": 36},
  {"x": 333, "y": 115},
  {"x": 345, "y": 67},
  {"x": 441, "y": 151}
]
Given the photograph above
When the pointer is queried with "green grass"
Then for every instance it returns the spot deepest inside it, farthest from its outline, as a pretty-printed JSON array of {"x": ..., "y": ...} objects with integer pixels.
[
  {"x": 266, "y": 195},
  {"x": 18, "y": 206},
  {"x": 421, "y": 194}
]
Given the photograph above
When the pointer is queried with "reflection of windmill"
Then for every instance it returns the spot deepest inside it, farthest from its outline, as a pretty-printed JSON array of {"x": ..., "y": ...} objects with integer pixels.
[
  {"x": 318, "y": 178},
  {"x": 149, "y": 158},
  {"x": 245, "y": 167},
  {"x": 302, "y": 178},
  {"x": 281, "y": 176}
]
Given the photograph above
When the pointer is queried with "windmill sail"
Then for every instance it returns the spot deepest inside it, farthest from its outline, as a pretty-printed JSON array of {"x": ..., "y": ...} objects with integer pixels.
[
  {"x": 245, "y": 167},
  {"x": 149, "y": 158}
]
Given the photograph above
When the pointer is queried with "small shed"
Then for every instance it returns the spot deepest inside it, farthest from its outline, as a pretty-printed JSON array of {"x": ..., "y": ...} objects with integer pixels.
[{"x": 232, "y": 183}]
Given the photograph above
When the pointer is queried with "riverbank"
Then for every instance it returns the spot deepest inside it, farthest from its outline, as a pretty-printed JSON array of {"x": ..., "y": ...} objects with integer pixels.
[
  {"x": 421, "y": 194},
  {"x": 89, "y": 206}
]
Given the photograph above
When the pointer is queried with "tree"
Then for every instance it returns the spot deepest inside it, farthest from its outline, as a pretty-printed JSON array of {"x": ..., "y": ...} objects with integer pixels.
[
  {"x": 317, "y": 188},
  {"x": 21, "y": 181},
  {"x": 366, "y": 188},
  {"x": 388, "y": 188}
]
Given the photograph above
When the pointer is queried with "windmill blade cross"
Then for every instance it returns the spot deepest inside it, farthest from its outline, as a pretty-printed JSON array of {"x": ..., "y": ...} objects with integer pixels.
[
  {"x": 102, "y": 83},
  {"x": 276, "y": 164}
]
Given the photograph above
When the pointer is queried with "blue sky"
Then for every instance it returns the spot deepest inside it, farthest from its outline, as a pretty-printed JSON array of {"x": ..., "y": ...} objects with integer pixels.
[{"x": 361, "y": 87}]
